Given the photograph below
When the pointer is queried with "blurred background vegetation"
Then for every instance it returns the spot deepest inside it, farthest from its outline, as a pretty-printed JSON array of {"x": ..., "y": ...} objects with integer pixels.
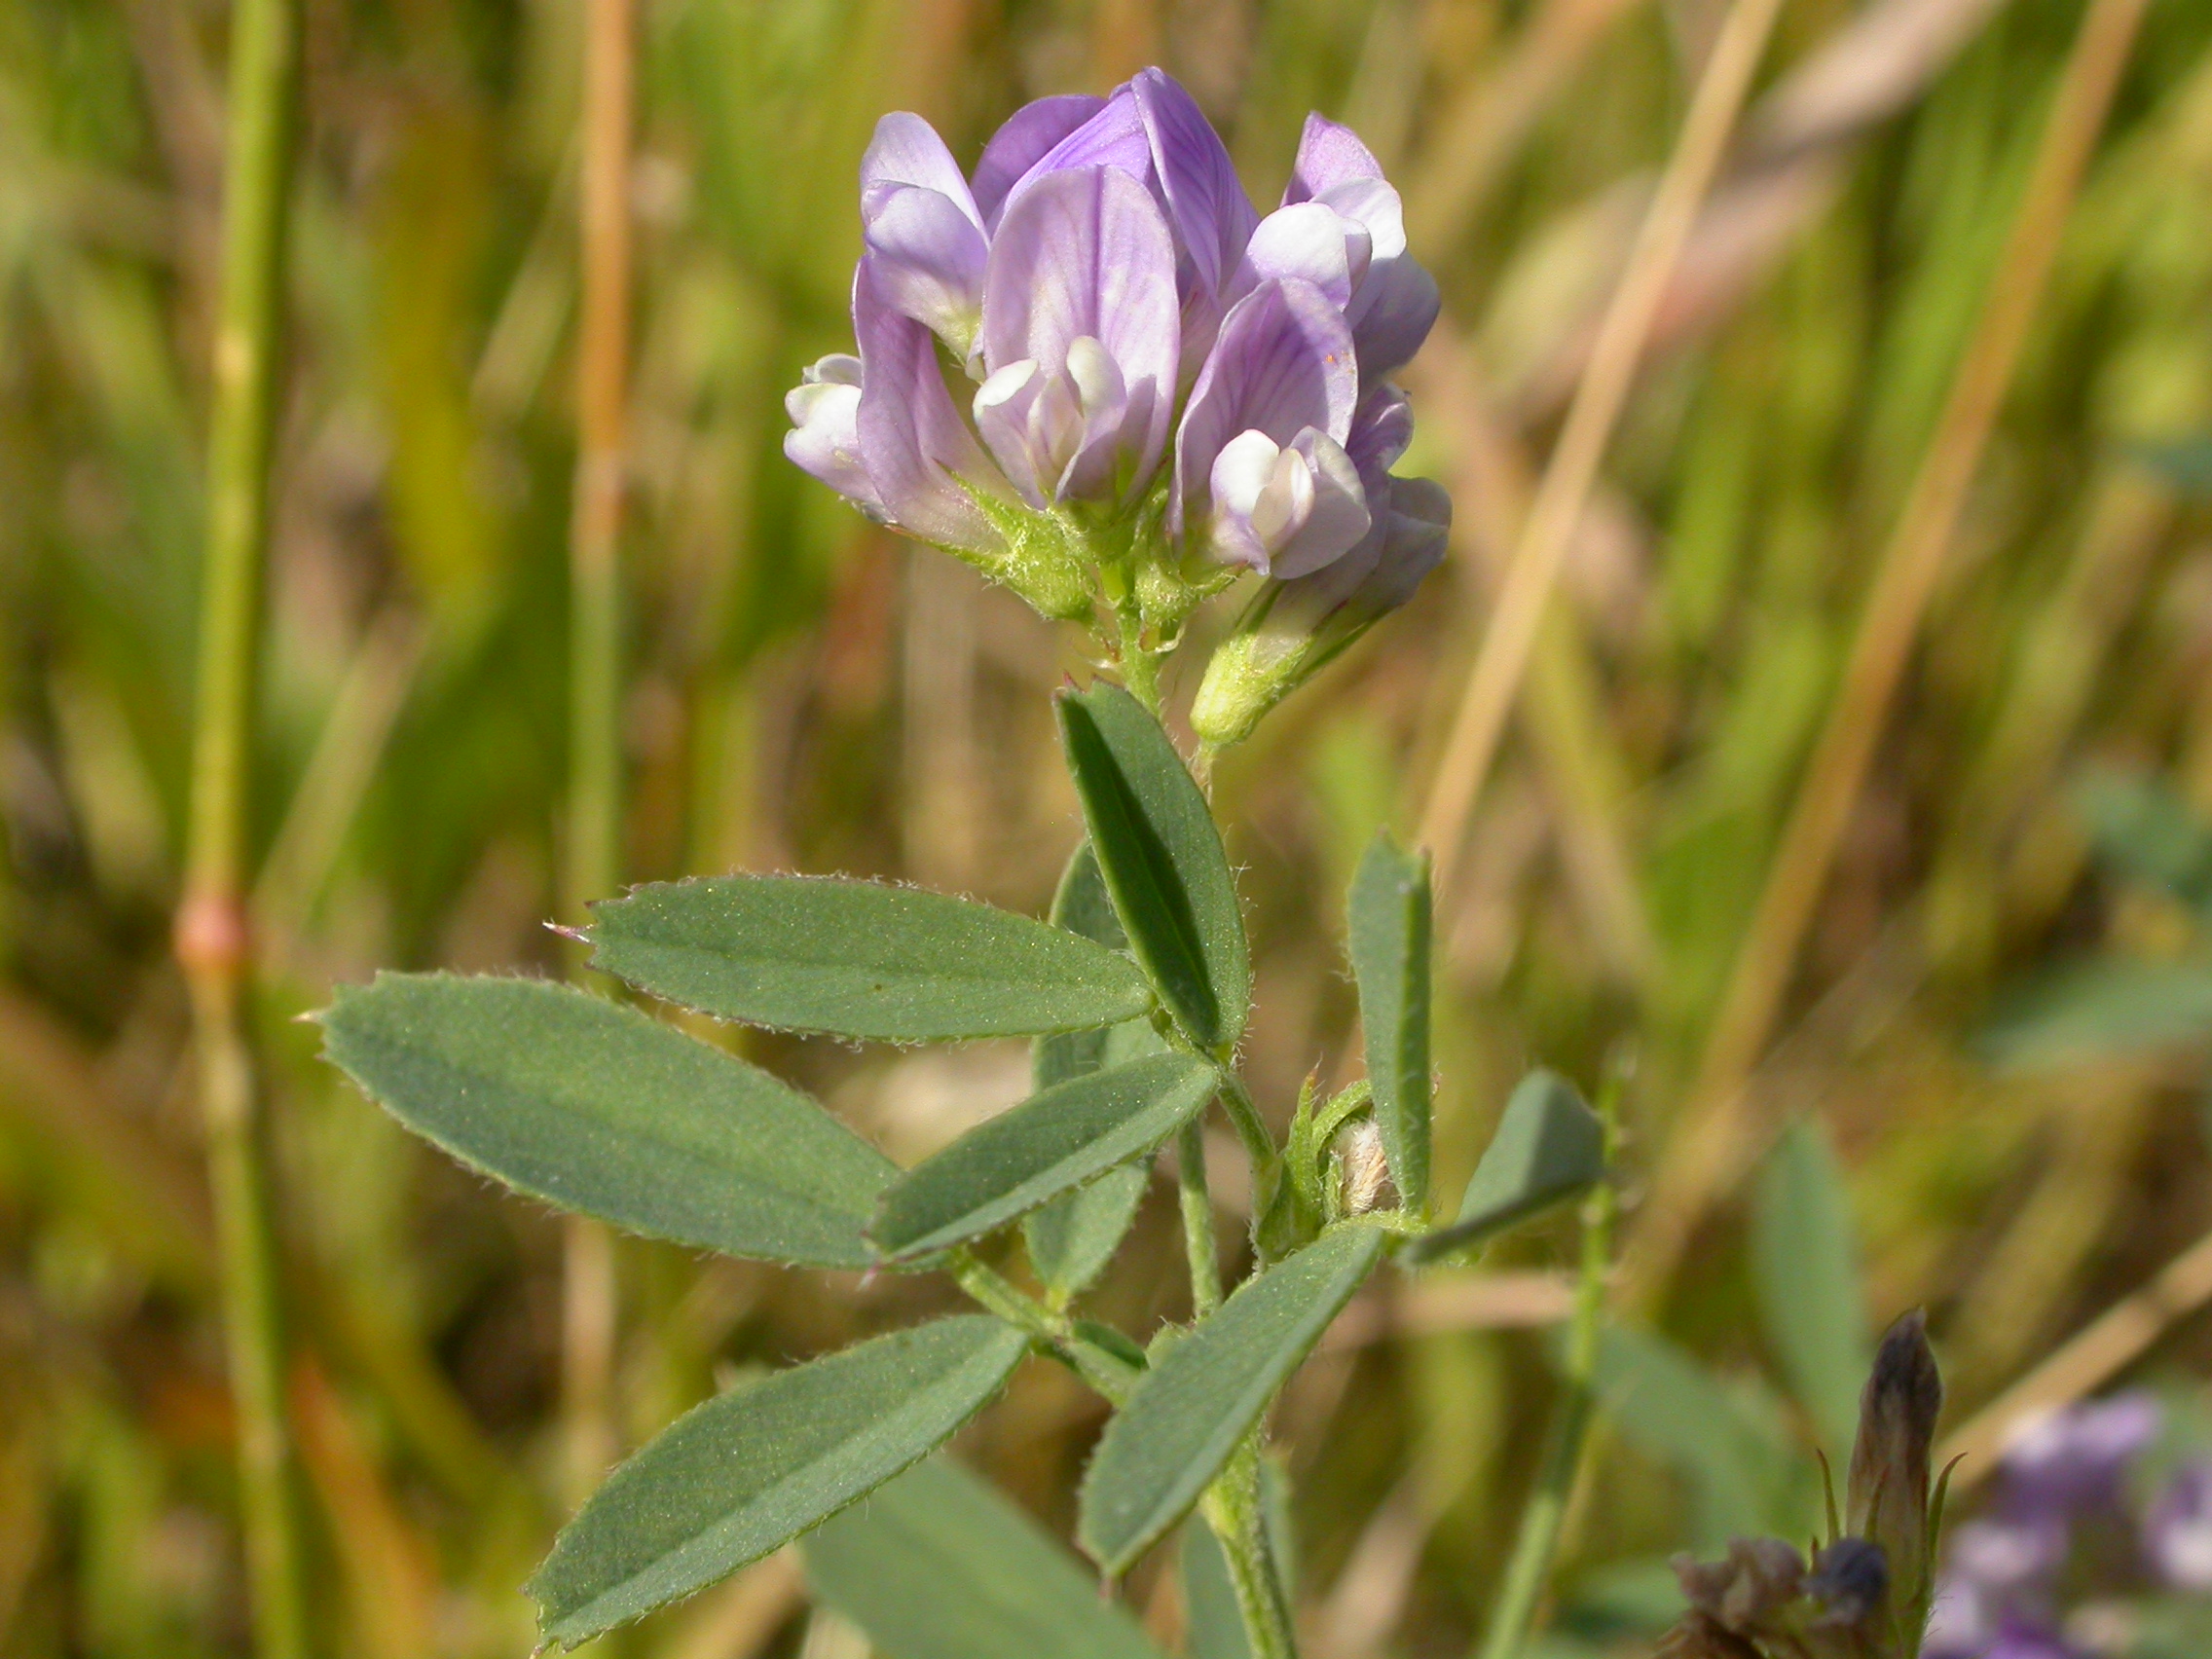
[{"x": 1984, "y": 1094}]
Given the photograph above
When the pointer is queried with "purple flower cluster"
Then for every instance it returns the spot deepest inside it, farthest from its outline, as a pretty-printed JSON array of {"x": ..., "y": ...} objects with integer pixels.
[
  {"x": 1147, "y": 352},
  {"x": 2000, "y": 1594}
]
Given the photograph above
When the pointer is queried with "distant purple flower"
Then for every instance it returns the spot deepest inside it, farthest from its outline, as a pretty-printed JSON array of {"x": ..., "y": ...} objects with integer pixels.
[
  {"x": 2177, "y": 1535},
  {"x": 2074, "y": 1460},
  {"x": 1105, "y": 278}
]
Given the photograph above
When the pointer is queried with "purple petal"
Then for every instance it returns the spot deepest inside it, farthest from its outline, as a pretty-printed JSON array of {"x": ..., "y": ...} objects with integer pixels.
[
  {"x": 2178, "y": 1533},
  {"x": 920, "y": 456},
  {"x": 1027, "y": 137},
  {"x": 1282, "y": 362},
  {"x": 1212, "y": 215},
  {"x": 2073, "y": 1459},
  {"x": 1339, "y": 517},
  {"x": 929, "y": 258},
  {"x": 1113, "y": 137},
  {"x": 1374, "y": 204},
  {"x": 1382, "y": 430},
  {"x": 825, "y": 436},
  {"x": 1328, "y": 153},
  {"x": 1417, "y": 529},
  {"x": 1312, "y": 242},
  {"x": 906, "y": 150},
  {"x": 1392, "y": 313},
  {"x": 1284, "y": 512},
  {"x": 1087, "y": 253}
]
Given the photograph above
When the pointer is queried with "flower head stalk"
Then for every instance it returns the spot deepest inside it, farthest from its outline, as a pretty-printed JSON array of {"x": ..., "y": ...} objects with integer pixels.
[{"x": 1093, "y": 369}]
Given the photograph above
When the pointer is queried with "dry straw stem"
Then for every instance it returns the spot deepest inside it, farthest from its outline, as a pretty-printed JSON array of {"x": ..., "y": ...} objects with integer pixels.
[
  {"x": 2102, "y": 1350},
  {"x": 1701, "y": 1155},
  {"x": 591, "y": 858},
  {"x": 1585, "y": 774},
  {"x": 1598, "y": 401}
]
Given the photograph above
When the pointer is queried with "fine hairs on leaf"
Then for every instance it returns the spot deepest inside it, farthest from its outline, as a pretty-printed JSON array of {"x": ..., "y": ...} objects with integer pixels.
[
  {"x": 1161, "y": 856},
  {"x": 750, "y": 1470},
  {"x": 603, "y": 1110},
  {"x": 1549, "y": 1147},
  {"x": 1389, "y": 932},
  {"x": 1191, "y": 1409},
  {"x": 858, "y": 959}
]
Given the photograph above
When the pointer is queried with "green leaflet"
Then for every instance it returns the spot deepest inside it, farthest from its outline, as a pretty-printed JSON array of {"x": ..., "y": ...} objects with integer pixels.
[
  {"x": 1549, "y": 1146},
  {"x": 858, "y": 959},
  {"x": 1186, "y": 1414},
  {"x": 1389, "y": 937},
  {"x": 938, "y": 1566},
  {"x": 750, "y": 1470},
  {"x": 1805, "y": 1261},
  {"x": 1051, "y": 1143},
  {"x": 600, "y": 1108},
  {"x": 1161, "y": 858},
  {"x": 2105, "y": 1008},
  {"x": 1072, "y": 1238}
]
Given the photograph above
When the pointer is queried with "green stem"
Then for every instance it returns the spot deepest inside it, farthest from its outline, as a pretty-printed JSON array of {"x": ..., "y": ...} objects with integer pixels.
[
  {"x": 992, "y": 1291},
  {"x": 1232, "y": 1509},
  {"x": 1141, "y": 666},
  {"x": 1198, "y": 1220},
  {"x": 212, "y": 937},
  {"x": 1529, "y": 1571}
]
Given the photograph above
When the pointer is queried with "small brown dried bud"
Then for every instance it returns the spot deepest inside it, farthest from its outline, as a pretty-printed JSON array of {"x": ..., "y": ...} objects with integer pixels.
[{"x": 1748, "y": 1591}]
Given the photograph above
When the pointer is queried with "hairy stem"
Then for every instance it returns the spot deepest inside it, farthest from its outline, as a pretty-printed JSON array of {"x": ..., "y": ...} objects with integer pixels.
[
  {"x": 213, "y": 936},
  {"x": 1529, "y": 1571},
  {"x": 1198, "y": 1220},
  {"x": 1234, "y": 1509}
]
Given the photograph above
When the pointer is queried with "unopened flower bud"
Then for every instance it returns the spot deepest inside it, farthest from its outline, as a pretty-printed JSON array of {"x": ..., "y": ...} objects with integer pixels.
[
  {"x": 1366, "y": 1167},
  {"x": 1888, "y": 1494}
]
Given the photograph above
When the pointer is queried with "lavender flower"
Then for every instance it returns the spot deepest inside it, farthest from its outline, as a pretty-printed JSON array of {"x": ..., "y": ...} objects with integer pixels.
[
  {"x": 1106, "y": 280},
  {"x": 2075, "y": 1459},
  {"x": 1997, "y": 1595},
  {"x": 2177, "y": 1535}
]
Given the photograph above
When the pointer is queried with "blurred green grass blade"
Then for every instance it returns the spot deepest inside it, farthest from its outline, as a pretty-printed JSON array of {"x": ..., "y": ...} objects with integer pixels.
[
  {"x": 1187, "y": 1413},
  {"x": 1389, "y": 936},
  {"x": 1805, "y": 1261},
  {"x": 1213, "y": 1626},
  {"x": 2148, "y": 832},
  {"x": 1731, "y": 1452},
  {"x": 750, "y": 1470},
  {"x": 938, "y": 1565},
  {"x": 2112, "y": 1007},
  {"x": 1071, "y": 1240},
  {"x": 2184, "y": 464},
  {"x": 603, "y": 1110},
  {"x": 1549, "y": 1146},
  {"x": 1161, "y": 854},
  {"x": 1051, "y": 1143},
  {"x": 858, "y": 959}
]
